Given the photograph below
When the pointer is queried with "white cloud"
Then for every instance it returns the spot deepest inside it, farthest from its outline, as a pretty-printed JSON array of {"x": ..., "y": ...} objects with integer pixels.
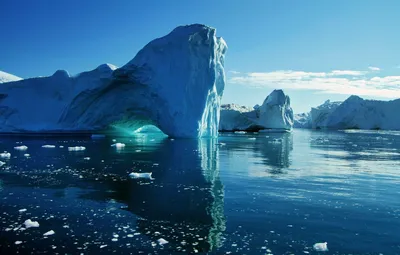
[
  {"x": 346, "y": 72},
  {"x": 337, "y": 82},
  {"x": 373, "y": 68},
  {"x": 233, "y": 72}
]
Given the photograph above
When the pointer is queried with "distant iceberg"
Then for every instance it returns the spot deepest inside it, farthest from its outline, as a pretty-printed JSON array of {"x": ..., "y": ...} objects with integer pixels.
[
  {"x": 274, "y": 114},
  {"x": 354, "y": 113},
  {"x": 175, "y": 83}
]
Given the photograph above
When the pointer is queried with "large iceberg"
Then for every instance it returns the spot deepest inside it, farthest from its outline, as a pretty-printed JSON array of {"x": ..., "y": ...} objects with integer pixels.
[
  {"x": 275, "y": 113},
  {"x": 175, "y": 83},
  {"x": 354, "y": 113}
]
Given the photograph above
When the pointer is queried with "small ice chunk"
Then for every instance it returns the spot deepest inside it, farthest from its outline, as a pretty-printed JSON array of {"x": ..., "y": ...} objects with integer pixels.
[
  {"x": 27, "y": 155},
  {"x": 77, "y": 148},
  {"x": 103, "y": 246},
  {"x": 61, "y": 146},
  {"x": 115, "y": 235},
  {"x": 2, "y": 163},
  {"x": 240, "y": 132},
  {"x": 21, "y": 148},
  {"x": 86, "y": 158},
  {"x": 22, "y": 210},
  {"x": 162, "y": 241},
  {"x": 130, "y": 235},
  {"x": 118, "y": 145},
  {"x": 321, "y": 246},
  {"x": 18, "y": 242},
  {"x": 114, "y": 140},
  {"x": 49, "y": 233},
  {"x": 134, "y": 175},
  {"x": 31, "y": 224},
  {"x": 5, "y": 154},
  {"x": 50, "y": 146},
  {"x": 114, "y": 239}
]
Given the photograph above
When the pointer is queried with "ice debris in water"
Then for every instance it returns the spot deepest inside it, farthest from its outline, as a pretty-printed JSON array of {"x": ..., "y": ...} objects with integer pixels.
[
  {"x": 76, "y": 148},
  {"x": 50, "y": 146},
  {"x": 134, "y": 175},
  {"x": 22, "y": 210},
  {"x": 86, "y": 158},
  {"x": 27, "y": 155},
  {"x": 2, "y": 163},
  {"x": 31, "y": 224},
  {"x": 49, "y": 233},
  {"x": 118, "y": 145},
  {"x": 321, "y": 246},
  {"x": 18, "y": 242},
  {"x": 5, "y": 154},
  {"x": 162, "y": 241},
  {"x": 21, "y": 148}
]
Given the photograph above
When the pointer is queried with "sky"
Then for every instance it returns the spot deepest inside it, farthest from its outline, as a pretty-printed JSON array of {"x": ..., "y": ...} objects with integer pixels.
[{"x": 314, "y": 50}]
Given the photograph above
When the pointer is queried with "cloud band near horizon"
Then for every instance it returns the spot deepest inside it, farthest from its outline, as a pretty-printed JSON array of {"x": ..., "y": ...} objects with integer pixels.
[{"x": 346, "y": 82}]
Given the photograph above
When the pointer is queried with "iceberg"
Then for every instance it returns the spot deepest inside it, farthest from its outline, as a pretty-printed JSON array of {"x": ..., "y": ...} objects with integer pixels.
[
  {"x": 354, "y": 113},
  {"x": 321, "y": 246},
  {"x": 174, "y": 83},
  {"x": 274, "y": 114},
  {"x": 302, "y": 120}
]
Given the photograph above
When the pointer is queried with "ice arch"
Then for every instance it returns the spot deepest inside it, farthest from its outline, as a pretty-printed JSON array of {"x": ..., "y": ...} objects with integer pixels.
[{"x": 175, "y": 83}]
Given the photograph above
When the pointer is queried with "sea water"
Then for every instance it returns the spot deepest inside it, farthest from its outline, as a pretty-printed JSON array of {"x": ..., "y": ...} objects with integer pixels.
[{"x": 252, "y": 193}]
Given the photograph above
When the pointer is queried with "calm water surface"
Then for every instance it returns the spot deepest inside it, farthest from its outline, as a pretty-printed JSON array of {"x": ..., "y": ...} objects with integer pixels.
[{"x": 240, "y": 194}]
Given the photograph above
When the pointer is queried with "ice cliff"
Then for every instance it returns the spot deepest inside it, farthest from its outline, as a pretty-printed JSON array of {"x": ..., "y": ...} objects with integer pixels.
[
  {"x": 354, "y": 113},
  {"x": 175, "y": 83},
  {"x": 274, "y": 113}
]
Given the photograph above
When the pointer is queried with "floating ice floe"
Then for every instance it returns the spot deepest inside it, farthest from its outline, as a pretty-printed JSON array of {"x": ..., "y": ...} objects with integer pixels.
[
  {"x": 134, "y": 175},
  {"x": 118, "y": 145},
  {"x": 21, "y": 148},
  {"x": 5, "y": 154},
  {"x": 31, "y": 224},
  {"x": 49, "y": 233},
  {"x": 18, "y": 242},
  {"x": 61, "y": 146},
  {"x": 162, "y": 241},
  {"x": 2, "y": 163},
  {"x": 86, "y": 158},
  {"x": 27, "y": 155},
  {"x": 22, "y": 210},
  {"x": 49, "y": 146},
  {"x": 321, "y": 246},
  {"x": 103, "y": 246},
  {"x": 77, "y": 148}
]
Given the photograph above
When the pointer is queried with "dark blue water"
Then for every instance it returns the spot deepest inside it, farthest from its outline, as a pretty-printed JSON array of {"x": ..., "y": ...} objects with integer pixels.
[{"x": 240, "y": 194}]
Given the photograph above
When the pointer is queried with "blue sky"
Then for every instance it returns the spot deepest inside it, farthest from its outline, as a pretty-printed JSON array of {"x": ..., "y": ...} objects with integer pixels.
[{"x": 314, "y": 50}]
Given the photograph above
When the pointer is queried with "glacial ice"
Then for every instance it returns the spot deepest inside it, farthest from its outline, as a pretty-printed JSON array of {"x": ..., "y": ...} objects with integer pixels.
[
  {"x": 76, "y": 148},
  {"x": 354, "y": 113},
  {"x": 275, "y": 113},
  {"x": 5, "y": 155},
  {"x": 21, "y": 148},
  {"x": 49, "y": 233},
  {"x": 321, "y": 246},
  {"x": 134, "y": 175},
  {"x": 175, "y": 83},
  {"x": 31, "y": 224},
  {"x": 49, "y": 146}
]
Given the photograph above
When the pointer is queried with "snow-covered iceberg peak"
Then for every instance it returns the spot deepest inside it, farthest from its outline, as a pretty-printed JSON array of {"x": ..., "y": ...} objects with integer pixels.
[
  {"x": 6, "y": 77},
  {"x": 182, "y": 75},
  {"x": 276, "y": 111}
]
